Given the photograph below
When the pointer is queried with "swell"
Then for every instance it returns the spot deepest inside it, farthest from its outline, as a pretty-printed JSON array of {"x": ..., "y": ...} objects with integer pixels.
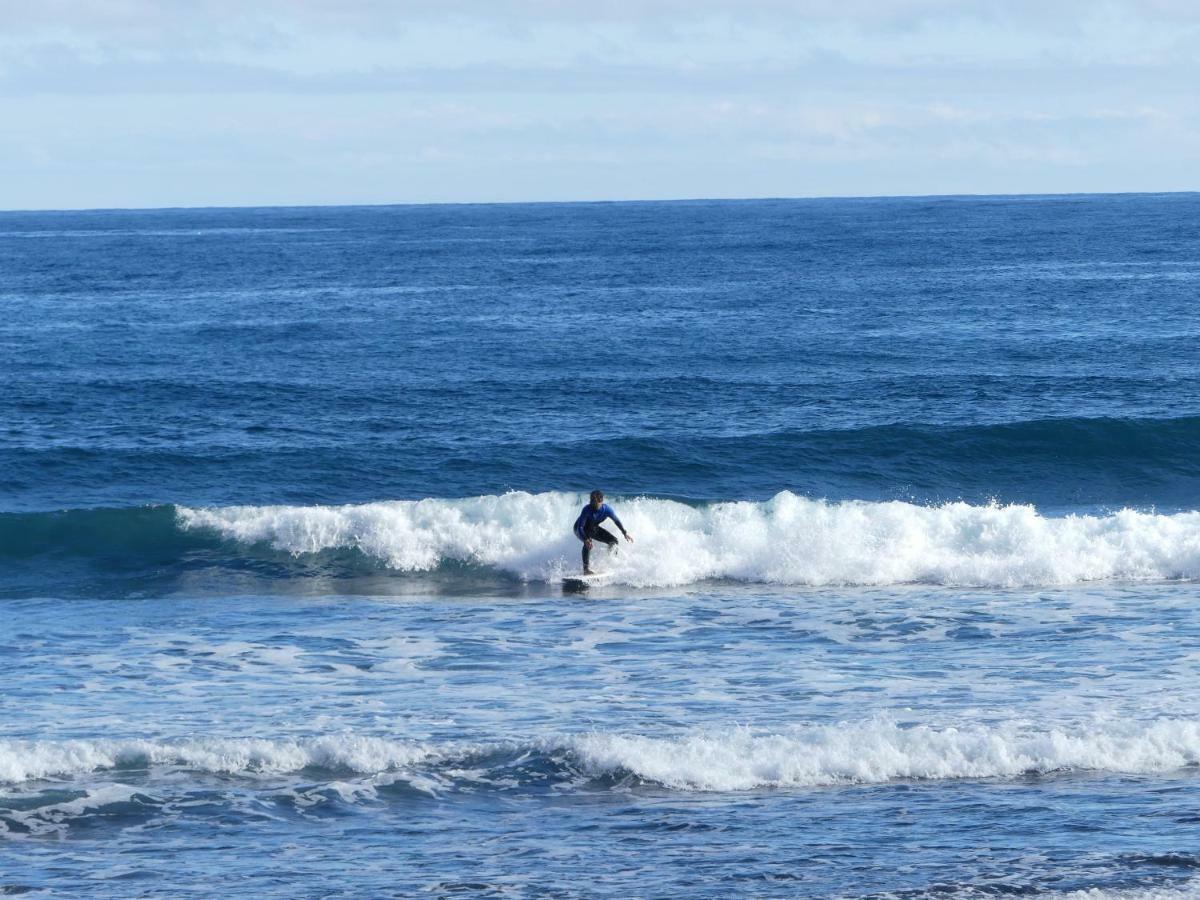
[
  {"x": 1053, "y": 462},
  {"x": 1062, "y": 462},
  {"x": 147, "y": 532},
  {"x": 520, "y": 537}
]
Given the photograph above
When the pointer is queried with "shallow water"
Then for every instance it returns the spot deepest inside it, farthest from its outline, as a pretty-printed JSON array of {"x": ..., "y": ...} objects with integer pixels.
[{"x": 768, "y": 741}]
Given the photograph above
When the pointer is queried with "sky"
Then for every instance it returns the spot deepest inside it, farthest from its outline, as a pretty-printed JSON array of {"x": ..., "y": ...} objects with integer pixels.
[{"x": 152, "y": 103}]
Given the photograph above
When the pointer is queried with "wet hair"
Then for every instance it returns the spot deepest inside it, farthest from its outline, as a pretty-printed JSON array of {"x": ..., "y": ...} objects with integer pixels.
[{"x": 597, "y": 495}]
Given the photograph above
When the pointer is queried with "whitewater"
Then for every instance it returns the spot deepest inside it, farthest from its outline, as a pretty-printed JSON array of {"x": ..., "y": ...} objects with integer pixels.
[
  {"x": 715, "y": 760},
  {"x": 788, "y": 540}
]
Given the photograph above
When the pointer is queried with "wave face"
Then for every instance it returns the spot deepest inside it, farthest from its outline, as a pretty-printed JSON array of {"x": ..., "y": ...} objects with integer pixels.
[
  {"x": 872, "y": 752},
  {"x": 787, "y": 540}
]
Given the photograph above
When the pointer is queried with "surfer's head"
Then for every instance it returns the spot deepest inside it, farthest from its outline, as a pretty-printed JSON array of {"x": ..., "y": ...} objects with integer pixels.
[{"x": 597, "y": 497}]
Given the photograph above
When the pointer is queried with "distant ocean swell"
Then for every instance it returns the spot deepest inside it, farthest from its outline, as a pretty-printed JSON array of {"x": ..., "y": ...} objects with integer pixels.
[
  {"x": 869, "y": 752},
  {"x": 787, "y": 540},
  {"x": 1068, "y": 462}
]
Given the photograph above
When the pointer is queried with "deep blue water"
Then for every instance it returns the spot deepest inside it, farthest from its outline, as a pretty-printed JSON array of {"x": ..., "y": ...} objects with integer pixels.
[{"x": 285, "y": 505}]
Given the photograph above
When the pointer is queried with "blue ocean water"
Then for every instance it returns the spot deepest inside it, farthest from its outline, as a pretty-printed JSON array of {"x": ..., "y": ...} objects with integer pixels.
[{"x": 285, "y": 508}]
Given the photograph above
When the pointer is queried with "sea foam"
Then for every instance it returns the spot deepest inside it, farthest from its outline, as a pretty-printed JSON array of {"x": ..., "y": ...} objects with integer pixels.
[
  {"x": 785, "y": 540},
  {"x": 731, "y": 759},
  {"x": 879, "y": 751},
  {"x": 27, "y": 760}
]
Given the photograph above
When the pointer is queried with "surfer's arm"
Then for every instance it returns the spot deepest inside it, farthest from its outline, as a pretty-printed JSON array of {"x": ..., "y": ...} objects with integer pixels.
[{"x": 612, "y": 515}]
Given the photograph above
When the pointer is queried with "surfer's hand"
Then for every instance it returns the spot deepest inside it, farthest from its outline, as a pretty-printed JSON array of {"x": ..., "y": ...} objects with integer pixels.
[
  {"x": 629, "y": 537},
  {"x": 588, "y": 543}
]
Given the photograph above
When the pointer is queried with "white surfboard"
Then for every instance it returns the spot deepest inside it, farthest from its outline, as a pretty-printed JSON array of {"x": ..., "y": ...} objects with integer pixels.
[{"x": 583, "y": 582}]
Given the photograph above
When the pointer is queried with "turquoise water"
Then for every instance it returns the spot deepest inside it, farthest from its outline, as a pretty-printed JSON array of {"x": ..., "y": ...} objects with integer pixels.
[{"x": 285, "y": 505}]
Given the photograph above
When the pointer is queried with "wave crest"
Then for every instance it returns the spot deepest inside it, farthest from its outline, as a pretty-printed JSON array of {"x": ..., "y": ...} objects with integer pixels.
[
  {"x": 877, "y": 752},
  {"x": 869, "y": 752},
  {"x": 786, "y": 540}
]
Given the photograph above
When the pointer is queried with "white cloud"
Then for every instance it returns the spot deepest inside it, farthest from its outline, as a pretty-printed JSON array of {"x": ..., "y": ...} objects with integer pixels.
[{"x": 145, "y": 102}]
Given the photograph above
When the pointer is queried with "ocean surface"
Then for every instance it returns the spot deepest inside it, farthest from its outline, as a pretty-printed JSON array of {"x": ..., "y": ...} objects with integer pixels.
[{"x": 912, "y": 609}]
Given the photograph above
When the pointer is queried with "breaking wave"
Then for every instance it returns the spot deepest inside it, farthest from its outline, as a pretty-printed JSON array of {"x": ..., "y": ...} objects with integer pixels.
[
  {"x": 787, "y": 540},
  {"x": 870, "y": 752}
]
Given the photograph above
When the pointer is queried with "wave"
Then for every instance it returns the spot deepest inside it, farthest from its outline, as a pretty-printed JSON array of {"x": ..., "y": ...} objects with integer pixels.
[
  {"x": 878, "y": 752},
  {"x": 787, "y": 540},
  {"x": 1187, "y": 891},
  {"x": 1062, "y": 463},
  {"x": 738, "y": 759},
  {"x": 29, "y": 760}
]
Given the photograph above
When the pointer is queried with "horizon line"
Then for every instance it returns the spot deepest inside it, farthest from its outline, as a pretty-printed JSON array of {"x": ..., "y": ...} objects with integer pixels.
[{"x": 665, "y": 200}]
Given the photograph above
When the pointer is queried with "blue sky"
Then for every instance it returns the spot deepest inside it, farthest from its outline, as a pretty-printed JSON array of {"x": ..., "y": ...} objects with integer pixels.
[{"x": 127, "y": 103}]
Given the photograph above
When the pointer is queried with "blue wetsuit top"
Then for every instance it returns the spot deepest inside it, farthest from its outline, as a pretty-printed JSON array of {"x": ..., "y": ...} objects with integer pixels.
[{"x": 592, "y": 517}]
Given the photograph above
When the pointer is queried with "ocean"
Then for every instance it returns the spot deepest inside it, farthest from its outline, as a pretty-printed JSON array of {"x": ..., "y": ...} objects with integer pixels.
[{"x": 286, "y": 500}]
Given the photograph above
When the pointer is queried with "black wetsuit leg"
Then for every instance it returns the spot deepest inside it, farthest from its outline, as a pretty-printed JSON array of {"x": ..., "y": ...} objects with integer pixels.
[{"x": 596, "y": 533}]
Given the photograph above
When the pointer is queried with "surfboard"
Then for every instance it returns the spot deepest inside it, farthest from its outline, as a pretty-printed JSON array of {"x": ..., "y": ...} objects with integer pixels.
[{"x": 583, "y": 582}]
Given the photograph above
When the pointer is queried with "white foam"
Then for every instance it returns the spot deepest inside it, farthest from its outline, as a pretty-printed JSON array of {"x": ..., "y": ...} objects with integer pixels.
[
  {"x": 1178, "y": 892},
  {"x": 869, "y": 752},
  {"x": 879, "y": 751},
  {"x": 1185, "y": 890},
  {"x": 27, "y": 760},
  {"x": 50, "y": 818},
  {"x": 785, "y": 540}
]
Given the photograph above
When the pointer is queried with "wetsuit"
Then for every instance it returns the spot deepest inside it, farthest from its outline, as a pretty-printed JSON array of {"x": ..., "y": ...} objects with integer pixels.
[{"x": 588, "y": 526}]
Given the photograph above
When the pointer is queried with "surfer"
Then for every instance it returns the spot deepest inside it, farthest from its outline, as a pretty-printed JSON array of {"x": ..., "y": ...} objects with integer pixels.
[{"x": 587, "y": 527}]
